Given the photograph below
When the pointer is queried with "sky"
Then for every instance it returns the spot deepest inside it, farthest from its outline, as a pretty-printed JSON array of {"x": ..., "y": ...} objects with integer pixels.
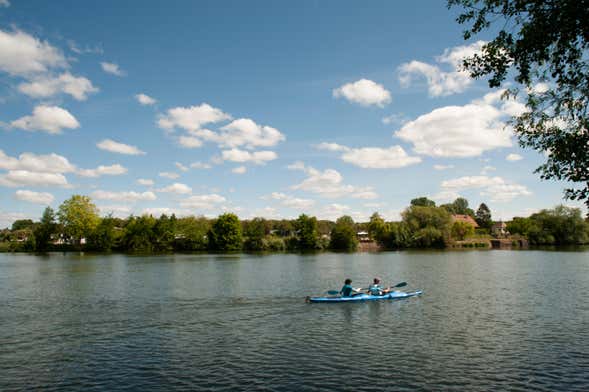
[{"x": 261, "y": 108}]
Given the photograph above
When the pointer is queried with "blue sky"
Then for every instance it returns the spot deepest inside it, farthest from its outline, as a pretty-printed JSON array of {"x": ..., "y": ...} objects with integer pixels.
[{"x": 262, "y": 108}]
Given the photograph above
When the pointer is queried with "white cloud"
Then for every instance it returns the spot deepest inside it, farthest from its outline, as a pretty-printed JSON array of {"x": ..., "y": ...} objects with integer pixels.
[
  {"x": 487, "y": 169},
  {"x": 47, "y": 86},
  {"x": 200, "y": 165},
  {"x": 119, "y": 211},
  {"x": 129, "y": 196},
  {"x": 120, "y": 148},
  {"x": 239, "y": 170},
  {"x": 145, "y": 99},
  {"x": 181, "y": 167},
  {"x": 459, "y": 131},
  {"x": 202, "y": 202},
  {"x": 50, "y": 119},
  {"x": 181, "y": 189},
  {"x": 50, "y": 163},
  {"x": 7, "y": 218},
  {"x": 393, "y": 157},
  {"x": 496, "y": 188},
  {"x": 112, "y": 68},
  {"x": 189, "y": 141},
  {"x": 442, "y": 83},
  {"x": 242, "y": 156},
  {"x": 398, "y": 118},
  {"x": 245, "y": 132},
  {"x": 24, "y": 55},
  {"x": 333, "y": 211},
  {"x": 170, "y": 175},
  {"x": 443, "y": 167},
  {"x": 329, "y": 184},
  {"x": 364, "y": 92},
  {"x": 191, "y": 118},
  {"x": 34, "y": 197},
  {"x": 158, "y": 211},
  {"x": 112, "y": 170},
  {"x": 298, "y": 165},
  {"x": 514, "y": 157},
  {"x": 16, "y": 178},
  {"x": 291, "y": 202},
  {"x": 144, "y": 181}
]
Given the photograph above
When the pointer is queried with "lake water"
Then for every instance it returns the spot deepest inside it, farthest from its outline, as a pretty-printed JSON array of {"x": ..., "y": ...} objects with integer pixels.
[{"x": 488, "y": 320}]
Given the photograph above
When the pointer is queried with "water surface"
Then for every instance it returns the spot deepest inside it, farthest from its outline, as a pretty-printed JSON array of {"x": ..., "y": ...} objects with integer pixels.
[{"x": 488, "y": 320}]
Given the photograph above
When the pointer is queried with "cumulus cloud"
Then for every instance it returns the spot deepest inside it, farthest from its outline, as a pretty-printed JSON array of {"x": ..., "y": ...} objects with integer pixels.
[
  {"x": 514, "y": 157},
  {"x": 189, "y": 141},
  {"x": 112, "y": 68},
  {"x": 119, "y": 148},
  {"x": 128, "y": 196},
  {"x": 144, "y": 99},
  {"x": 191, "y": 118},
  {"x": 291, "y": 201},
  {"x": 24, "y": 55},
  {"x": 47, "y": 86},
  {"x": 178, "y": 188},
  {"x": 34, "y": 197},
  {"x": 329, "y": 184},
  {"x": 170, "y": 175},
  {"x": 144, "y": 181},
  {"x": 16, "y": 178},
  {"x": 112, "y": 170},
  {"x": 202, "y": 202},
  {"x": 460, "y": 131},
  {"x": 364, "y": 92},
  {"x": 496, "y": 189},
  {"x": 200, "y": 165},
  {"x": 393, "y": 157},
  {"x": 440, "y": 82},
  {"x": 242, "y": 156},
  {"x": 50, "y": 119},
  {"x": 443, "y": 167},
  {"x": 245, "y": 132},
  {"x": 239, "y": 170},
  {"x": 117, "y": 210},
  {"x": 50, "y": 163}
]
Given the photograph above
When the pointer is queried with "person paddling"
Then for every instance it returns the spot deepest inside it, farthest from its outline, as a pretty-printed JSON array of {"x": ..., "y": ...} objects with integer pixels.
[
  {"x": 347, "y": 289},
  {"x": 376, "y": 289}
]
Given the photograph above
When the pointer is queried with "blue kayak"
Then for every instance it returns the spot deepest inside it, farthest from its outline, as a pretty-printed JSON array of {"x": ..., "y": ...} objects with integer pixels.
[{"x": 367, "y": 297}]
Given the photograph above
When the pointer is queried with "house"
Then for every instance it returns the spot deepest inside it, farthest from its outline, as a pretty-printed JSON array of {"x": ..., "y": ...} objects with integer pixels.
[
  {"x": 499, "y": 229},
  {"x": 466, "y": 219},
  {"x": 363, "y": 236}
]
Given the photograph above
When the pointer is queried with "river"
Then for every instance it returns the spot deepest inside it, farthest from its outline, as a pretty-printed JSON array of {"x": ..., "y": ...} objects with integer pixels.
[{"x": 488, "y": 320}]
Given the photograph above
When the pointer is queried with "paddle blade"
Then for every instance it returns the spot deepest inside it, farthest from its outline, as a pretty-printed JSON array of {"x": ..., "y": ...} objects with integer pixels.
[
  {"x": 332, "y": 292},
  {"x": 402, "y": 284}
]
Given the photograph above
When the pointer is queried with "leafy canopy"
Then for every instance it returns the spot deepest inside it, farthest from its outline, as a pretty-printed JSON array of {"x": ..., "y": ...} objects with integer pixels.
[{"x": 545, "y": 46}]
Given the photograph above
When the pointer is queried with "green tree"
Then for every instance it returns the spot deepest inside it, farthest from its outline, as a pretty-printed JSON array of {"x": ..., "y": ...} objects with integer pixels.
[
  {"x": 255, "y": 231},
  {"x": 21, "y": 224},
  {"x": 307, "y": 233},
  {"x": 423, "y": 202},
  {"x": 544, "y": 45},
  {"x": 225, "y": 234},
  {"x": 460, "y": 230},
  {"x": 483, "y": 216},
  {"x": 343, "y": 235},
  {"x": 521, "y": 226},
  {"x": 45, "y": 229},
  {"x": 103, "y": 237},
  {"x": 560, "y": 225},
  {"x": 191, "y": 234},
  {"x": 164, "y": 232},
  {"x": 429, "y": 226},
  {"x": 138, "y": 234},
  {"x": 78, "y": 217},
  {"x": 378, "y": 229}
]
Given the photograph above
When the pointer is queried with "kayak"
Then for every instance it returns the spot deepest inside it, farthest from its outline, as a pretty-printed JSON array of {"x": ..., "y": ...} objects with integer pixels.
[{"x": 367, "y": 297}]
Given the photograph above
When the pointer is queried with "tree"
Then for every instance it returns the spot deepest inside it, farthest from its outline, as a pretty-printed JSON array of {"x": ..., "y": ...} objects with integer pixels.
[
  {"x": 460, "y": 230},
  {"x": 343, "y": 235},
  {"x": 255, "y": 231},
  {"x": 78, "y": 217},
  {"x": 483, "y": 216},
  {"x": 544, "y": 44},
  {"x": 423, "y": 202},
  {"x": 45, "y": 229},
  {"x": 103, "y": 237},
  {"x": 164, "y": 233},
  {"x": 21, "y": 224},
  {"x": 378, "y": 229},
  {"x": 191, "y": 233},
  {"x": 225, "y": 234},
  {"x": 308, "y": 236},
  {"x": 560, "y": 225},
  {"x": 138, "y": 235},
  {"x": 429, "y": 226}
]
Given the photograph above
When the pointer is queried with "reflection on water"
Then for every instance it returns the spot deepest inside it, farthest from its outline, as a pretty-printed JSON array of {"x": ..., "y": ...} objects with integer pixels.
[{"x": 487, "y": 320}]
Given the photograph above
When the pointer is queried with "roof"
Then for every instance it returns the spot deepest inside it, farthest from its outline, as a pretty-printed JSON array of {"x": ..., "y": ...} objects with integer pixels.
[{"x": 466, "y": 219}]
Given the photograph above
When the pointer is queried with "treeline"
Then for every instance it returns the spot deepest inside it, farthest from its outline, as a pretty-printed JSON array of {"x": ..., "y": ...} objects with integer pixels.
[{"x": 76, "y": 225}]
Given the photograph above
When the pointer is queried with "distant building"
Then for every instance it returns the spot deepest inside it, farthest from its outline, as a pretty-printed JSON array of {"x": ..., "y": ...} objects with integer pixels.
[
  {"x": 499, "y": 228},
  {"x": 363, "y": 236},
  {"x": 466, "y": 219}
]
